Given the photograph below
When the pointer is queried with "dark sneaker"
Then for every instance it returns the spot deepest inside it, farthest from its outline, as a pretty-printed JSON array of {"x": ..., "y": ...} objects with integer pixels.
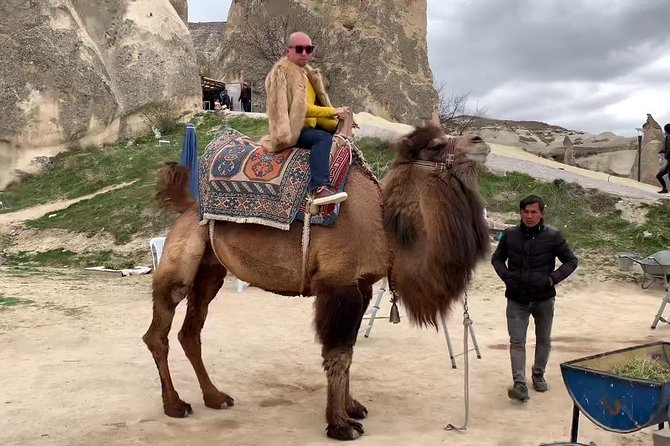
[
  {"x": 540, "y": 384},
  {"x": 663, "y": 191},
  {"x": 518, "y": 392}
]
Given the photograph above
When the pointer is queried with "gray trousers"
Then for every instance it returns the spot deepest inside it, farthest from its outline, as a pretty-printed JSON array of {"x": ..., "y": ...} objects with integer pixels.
[{"x": 517, "y": 326}]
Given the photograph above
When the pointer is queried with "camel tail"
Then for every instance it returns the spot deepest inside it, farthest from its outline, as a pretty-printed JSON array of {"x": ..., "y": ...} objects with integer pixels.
[{"x": 173, "y": 193}]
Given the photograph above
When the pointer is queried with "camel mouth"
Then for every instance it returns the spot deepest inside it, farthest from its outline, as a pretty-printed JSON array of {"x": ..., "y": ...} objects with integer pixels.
[{"x": 480, "y": 153}]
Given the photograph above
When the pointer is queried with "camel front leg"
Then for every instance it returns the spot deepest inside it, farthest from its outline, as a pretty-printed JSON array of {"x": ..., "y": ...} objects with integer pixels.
[
  {"x": 355, "y": 409},
  {"x": 337, "y": 319}
]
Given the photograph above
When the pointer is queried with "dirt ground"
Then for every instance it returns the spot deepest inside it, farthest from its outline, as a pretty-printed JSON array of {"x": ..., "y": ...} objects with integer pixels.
[{"x": 75, "y": 371}]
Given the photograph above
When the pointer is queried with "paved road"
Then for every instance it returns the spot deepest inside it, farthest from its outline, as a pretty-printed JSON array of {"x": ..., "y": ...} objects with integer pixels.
[{"x": 501, "y": 164}]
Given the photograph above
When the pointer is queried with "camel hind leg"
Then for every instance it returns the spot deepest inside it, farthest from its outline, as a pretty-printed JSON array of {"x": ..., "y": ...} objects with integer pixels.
[
  {"x": 339, "y": 312},
  {"x": 207, "y": 283},
  {"x": 156, "y": 339},
  {"x": 172, "y": 282}
]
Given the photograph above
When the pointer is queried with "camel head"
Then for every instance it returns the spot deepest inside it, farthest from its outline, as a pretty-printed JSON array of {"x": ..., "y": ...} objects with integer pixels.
[
  {"x": 461, "y": 155},
  {"x": 430, "y": 143},
  {"x": 433, "y": 217}
]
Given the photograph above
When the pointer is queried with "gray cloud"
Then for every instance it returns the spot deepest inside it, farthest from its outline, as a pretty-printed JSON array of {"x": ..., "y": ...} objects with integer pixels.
[
  {"x": 564, "y": 62},
  {"x": 591, "y": 65}
]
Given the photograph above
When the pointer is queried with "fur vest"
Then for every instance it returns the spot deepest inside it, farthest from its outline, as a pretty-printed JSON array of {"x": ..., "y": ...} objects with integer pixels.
[{"x": 286, "y": 88}]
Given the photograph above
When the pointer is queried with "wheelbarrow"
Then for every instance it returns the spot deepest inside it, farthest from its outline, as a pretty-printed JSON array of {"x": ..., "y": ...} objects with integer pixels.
[
  {"x": 613, "y": 402},
  {"x": 655, "y": 267}
]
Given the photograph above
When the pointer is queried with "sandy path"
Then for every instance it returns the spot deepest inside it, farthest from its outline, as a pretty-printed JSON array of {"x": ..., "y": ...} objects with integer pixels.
[
  {"x": 501, "y": 164},
  {"x": 75, "y": 371},
  {"x": 48, "y": 208},
  {"x": 505, "y": 158}
]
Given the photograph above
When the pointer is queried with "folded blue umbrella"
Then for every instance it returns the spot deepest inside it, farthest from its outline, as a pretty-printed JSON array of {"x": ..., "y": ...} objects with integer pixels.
[{"x": 189, "y": 158}]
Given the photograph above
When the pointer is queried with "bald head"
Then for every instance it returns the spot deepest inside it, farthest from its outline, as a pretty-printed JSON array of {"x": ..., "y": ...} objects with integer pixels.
[
  {"x": 299, "y": 37},
  {"x": 299, "y": 48}
]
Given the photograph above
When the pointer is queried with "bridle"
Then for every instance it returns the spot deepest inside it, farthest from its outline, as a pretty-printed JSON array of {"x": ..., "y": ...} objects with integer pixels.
[{"x": 436, "y": 166}]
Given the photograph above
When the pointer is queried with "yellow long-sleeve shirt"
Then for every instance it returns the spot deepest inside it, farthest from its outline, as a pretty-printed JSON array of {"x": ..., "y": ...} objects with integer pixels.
[{"x": 318, "y": 115}]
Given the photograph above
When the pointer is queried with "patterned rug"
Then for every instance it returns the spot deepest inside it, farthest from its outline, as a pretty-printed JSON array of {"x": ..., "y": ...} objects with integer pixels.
[{"x": 243, "y": 183}]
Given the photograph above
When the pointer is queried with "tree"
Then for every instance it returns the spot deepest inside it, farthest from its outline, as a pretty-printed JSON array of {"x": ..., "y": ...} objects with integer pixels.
[
  {"x": 455, "y": 116},
  {"x": 270, "y": 25}
]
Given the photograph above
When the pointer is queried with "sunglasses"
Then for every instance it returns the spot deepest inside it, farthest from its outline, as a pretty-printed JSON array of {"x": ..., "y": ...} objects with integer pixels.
[{"x": 309, "y": 49}]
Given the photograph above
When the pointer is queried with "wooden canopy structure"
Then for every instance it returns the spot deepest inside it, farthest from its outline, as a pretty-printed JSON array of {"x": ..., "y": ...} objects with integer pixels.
[{"x": 209, "y": 84}]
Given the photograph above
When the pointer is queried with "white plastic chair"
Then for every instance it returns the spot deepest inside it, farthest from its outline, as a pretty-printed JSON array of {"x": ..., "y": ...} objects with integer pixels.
[
  {"x": 240, "y": 285},
  {"x": 156, "y": 246}
]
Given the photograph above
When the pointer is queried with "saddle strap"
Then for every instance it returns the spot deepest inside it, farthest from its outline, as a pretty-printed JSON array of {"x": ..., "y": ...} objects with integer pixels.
[{"x": 305, "y": 248}]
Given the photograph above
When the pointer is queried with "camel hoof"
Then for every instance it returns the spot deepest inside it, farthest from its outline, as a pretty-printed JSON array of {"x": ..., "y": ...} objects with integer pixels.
[
  {"x": 352, "y": 431},
  {"x": 356, "y": 410},
  {"x": 179, "y": 410},
  {"x": 218, "y": 400}
]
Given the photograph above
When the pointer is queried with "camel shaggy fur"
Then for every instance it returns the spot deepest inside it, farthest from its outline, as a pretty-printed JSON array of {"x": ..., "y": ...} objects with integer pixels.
[{"x": 430, "y": 234}]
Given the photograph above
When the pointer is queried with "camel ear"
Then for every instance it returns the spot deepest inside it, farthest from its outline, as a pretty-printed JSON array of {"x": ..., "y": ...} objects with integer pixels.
[
  {"x": 403, "y": 146},
  {"x": 435, "y": 142}
]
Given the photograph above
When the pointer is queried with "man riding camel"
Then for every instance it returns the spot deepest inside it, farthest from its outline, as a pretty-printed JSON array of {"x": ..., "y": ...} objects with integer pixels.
[{"x": 300, "y": 113}]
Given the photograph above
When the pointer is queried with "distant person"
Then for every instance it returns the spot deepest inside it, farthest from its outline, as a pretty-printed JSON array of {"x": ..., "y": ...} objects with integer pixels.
[
  {"x": 665, "y": 155},
  {"x": 530, "y": 250},
  {"x": 245, "y": 97},
  {"x": 226, "y": 100}
]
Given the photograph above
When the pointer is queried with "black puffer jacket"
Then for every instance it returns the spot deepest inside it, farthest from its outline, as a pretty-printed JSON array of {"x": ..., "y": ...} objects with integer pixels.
[
  {"x": 666, "y": 148},
  {"x": 531, "y": 258}
]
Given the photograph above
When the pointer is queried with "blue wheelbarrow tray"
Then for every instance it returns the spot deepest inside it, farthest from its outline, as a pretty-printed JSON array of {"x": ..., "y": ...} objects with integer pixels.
[{"x": 618, "y": 403}]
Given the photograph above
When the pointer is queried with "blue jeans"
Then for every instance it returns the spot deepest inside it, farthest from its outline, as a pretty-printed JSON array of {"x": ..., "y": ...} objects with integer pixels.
[
  {"x": 318, "y": 142},
  {"x": 246, "y": 105}
]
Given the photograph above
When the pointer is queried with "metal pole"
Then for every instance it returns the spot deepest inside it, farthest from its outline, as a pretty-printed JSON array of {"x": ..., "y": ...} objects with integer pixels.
[
  {"x": 449, "y": 347},
  {"x": 575, "y": 424}
]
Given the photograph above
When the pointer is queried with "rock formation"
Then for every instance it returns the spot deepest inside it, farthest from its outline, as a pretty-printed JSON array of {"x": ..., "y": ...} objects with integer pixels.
[
  {"x": 569, "y": 157},
  {"x": 373, "y": 53},
  {"x": 652, "y": 141},
  {"x": 207, "y": 39},
  {"x": 76, "y": 72},
  {"x": 181, "y": 6}
]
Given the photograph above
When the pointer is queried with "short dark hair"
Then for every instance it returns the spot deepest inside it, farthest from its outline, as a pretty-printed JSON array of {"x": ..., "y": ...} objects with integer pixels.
[
  {"x": 530, "y": 199},
  {"x": 667, "y": 128}
]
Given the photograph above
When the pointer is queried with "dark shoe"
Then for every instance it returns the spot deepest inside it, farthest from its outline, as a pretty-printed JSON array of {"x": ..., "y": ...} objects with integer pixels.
[
  {"x": 540, "y": 384},
  {"x": 663, "y": 191},
  {"x": 518, "y": 392}
]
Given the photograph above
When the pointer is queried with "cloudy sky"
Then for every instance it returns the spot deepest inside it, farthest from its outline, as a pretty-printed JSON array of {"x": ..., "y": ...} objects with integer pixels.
[{"x": 593, "y": 65}]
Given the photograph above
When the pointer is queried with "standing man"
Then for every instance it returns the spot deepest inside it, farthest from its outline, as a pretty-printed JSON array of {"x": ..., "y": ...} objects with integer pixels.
[
  {"x": 665, "y": 168},
  {"x": 531, "y": 249},
  {"x": 245, "y": 97},
  {"x": 300, "y": 113}
]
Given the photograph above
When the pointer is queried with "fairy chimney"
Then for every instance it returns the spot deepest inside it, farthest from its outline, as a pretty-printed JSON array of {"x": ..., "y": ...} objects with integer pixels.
[
  {"x": 77, "y": 74},
  {"x": 652, "y": 142},
  {"x": 569, "y": 157}
]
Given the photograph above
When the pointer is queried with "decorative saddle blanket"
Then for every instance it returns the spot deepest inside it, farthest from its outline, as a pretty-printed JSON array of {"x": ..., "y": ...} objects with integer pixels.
[{"x": 244, "y": 183}]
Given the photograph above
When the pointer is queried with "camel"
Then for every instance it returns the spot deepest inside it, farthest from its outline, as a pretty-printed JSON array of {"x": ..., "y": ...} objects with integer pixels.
[{"x": 428, "y": 238}]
